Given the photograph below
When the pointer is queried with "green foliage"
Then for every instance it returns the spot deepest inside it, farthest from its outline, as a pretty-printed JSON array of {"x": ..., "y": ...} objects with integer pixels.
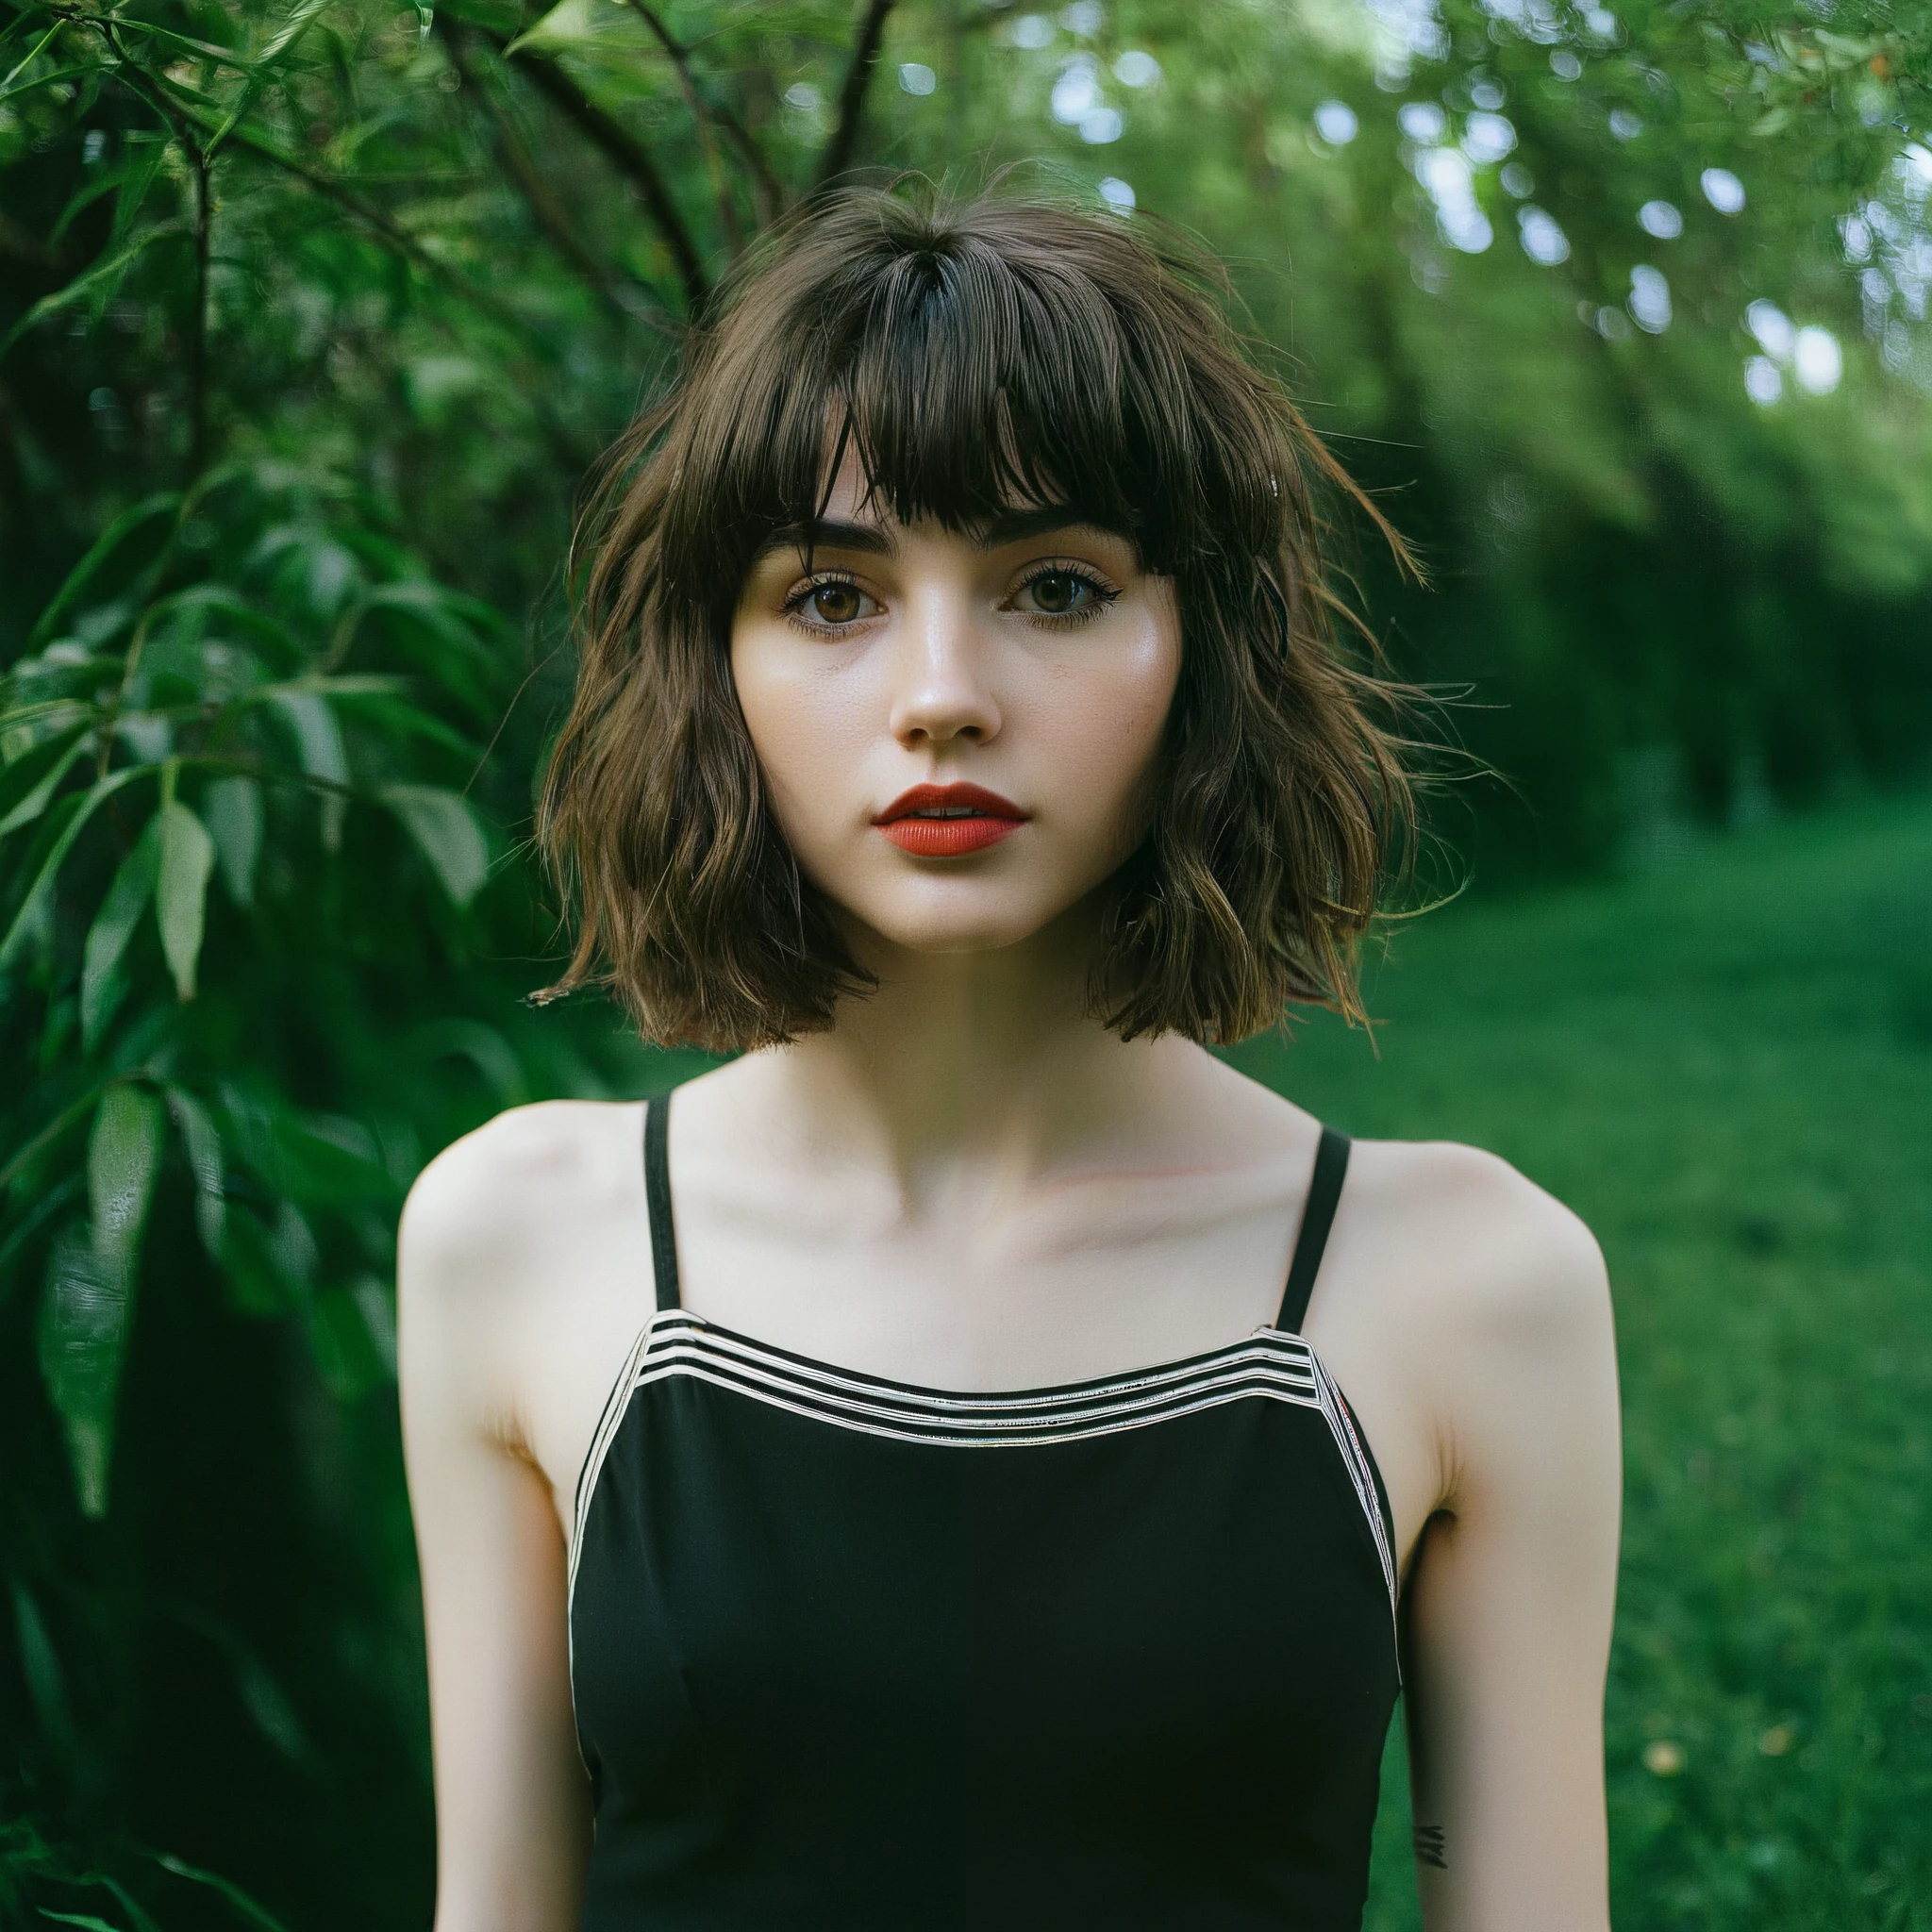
[
  {"x": 313, "y": 315},
  {"x": 88, "y": 1306},
  {"x": 252, "y": 953}
]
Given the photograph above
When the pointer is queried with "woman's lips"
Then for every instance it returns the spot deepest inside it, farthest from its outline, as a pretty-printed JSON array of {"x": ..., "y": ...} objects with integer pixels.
[
  {"x": 947, "y": 837},
  {"x": 948, "y": 821}
]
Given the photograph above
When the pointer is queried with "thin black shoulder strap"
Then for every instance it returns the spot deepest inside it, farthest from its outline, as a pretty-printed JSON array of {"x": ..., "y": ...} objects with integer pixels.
[
  {"x": 1318, "y": 1217},
  {"x": 658, "y": 1198}
]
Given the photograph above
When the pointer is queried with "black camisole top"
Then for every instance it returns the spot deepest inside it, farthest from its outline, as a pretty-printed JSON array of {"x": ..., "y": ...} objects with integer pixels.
[{"x": 852, "y": 1655}]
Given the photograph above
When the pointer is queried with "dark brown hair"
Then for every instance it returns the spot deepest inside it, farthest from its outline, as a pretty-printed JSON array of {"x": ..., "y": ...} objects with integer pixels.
[{"x": 977, "y": 356}]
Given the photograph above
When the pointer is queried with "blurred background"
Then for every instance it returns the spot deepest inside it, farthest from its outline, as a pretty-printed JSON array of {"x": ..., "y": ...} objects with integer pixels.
[{"x": 312, "y": 319}]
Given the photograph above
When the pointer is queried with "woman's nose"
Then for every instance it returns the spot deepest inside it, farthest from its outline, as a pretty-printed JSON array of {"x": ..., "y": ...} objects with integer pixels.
[{"x": 942, "y": 676}]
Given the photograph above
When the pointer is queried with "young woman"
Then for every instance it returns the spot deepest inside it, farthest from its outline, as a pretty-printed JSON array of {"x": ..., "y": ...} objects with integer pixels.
[{"x": 907, "y": 1484}]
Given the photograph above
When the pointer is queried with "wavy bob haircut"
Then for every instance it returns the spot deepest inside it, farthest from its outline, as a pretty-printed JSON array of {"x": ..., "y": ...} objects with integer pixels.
[{"x": 979, "y": 357}]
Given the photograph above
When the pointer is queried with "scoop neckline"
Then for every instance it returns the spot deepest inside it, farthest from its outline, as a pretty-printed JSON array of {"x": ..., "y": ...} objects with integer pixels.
[
  {"x": 1264, "y": 1339},
  {"x": 1040, "y": 1391}
]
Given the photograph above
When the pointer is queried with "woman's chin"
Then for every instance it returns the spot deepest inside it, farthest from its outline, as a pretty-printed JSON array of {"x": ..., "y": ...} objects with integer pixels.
[
  {"x": 969, "y": 925},
  {"x": 944, "y": 937}
]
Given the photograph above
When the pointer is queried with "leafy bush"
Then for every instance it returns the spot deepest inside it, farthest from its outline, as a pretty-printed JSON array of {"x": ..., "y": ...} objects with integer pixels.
[{"x": 255, "y": 954}]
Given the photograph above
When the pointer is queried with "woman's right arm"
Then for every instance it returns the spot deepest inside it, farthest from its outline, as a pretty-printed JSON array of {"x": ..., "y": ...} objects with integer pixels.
[{"x": 513, "y": 1800}]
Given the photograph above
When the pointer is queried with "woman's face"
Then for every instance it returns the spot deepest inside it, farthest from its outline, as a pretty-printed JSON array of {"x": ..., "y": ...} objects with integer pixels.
[{"x": 956, "y": 731}]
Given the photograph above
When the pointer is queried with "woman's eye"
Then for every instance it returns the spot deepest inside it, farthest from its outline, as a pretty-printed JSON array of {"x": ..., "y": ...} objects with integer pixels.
[
  {"x": 1062, "y": 594},
  {"x": 1057, "y": 592},
  {"x": 834, "y": 602}
]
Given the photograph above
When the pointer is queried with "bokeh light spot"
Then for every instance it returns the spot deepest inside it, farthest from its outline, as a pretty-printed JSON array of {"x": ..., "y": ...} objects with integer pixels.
[
  {"x": 1336, "y": 123},
  {"x": 1722, "y": 189}
]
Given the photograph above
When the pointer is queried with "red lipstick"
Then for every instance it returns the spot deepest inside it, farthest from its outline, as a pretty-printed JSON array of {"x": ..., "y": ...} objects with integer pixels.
[{"x": 948, "y": 821}]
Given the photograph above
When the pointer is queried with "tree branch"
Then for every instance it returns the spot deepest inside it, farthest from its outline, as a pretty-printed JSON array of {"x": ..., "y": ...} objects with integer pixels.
[
  {"x": 620, "y": 297},
  {"x": 395, "y": 236},
  {"x": 178, "y": 114},
  {"x": 865, "y": 56},
  {"x": 200, "y": 164},
  {"x": 766, "y": 192},
  {"x": 197, "y": 337},
  {"x": 624, "y": 152},
  {"x": 721, "y": 191}
]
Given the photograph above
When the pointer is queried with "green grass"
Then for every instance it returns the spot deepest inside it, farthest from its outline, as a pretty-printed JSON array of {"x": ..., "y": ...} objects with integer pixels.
[{"x": 1726, "y": 1067}]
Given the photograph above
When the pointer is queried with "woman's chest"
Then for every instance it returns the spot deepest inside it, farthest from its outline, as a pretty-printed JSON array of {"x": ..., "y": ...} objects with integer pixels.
[
  {"x": 1184, "y": 1623},
  {"x": 1066, "y": 1283}
]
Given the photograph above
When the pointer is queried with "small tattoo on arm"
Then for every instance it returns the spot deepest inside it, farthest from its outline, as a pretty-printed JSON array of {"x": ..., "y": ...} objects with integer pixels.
[{"x": 1431, "y": 1847}]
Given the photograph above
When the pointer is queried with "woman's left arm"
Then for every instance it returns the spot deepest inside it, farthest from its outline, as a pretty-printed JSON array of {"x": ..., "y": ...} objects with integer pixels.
[{"x": 1514, "y": 1587}]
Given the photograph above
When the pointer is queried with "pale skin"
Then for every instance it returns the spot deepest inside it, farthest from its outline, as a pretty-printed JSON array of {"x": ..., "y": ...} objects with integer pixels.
[{"x": 968, "y": 1183}]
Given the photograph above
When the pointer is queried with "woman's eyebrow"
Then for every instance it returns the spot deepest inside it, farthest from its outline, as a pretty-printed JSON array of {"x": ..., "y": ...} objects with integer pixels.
[{"x": 822, "y": 533}]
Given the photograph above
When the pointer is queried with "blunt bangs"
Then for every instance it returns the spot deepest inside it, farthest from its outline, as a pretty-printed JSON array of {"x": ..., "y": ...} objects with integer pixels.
[
  {"x": 976, "y": 359},
  {"x": 969, "y": 377}
]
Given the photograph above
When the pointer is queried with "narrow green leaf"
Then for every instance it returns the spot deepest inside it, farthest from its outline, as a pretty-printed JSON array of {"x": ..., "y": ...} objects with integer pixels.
[
  {"x": 484, "y": 1047},
  {"x": 360, "y": 684},
  {"x": 271, "y": 1271},
  {"x": 202, "y": 1143},
  {"x": 34, "y": 777},
  {"x": 52, "y": 78},
  {"x": 83, "y": 1919},
  {"x": 124, "y": 1153},
  {"x": 80, "y": 200},
  {"x": 291, "y": 31},
  {"x": 188, "y": 857},
  {"x": 447, "y": 834},
  {"x": 318, "y": 737},
  {"x": 82, "y": 1337},
  {"x": 232, "y": 809},
  {"x": 138, "y": 1920},
  {"x": 138, "y": 176},
  {"x": 99, "y": 553},
  {"x": 259, "y": 69},
  {"x": 319, "y": 751},
  {"x": 128, "y": 182},
  {"x": 133, "y": 885},
  {"x": 27, "y": 918},
  {"x": 573, "y": 26},
  {"x": 205, "y": 50},
  {"x": 46, "y": 1682},
  {"x": 85, "y": 285},
  {"x": 380, "y": 1317},
  {"x": 404, "y": 719},
  {"x": 38, "y": 1144},
  {"x": 40, "y": 48},
  {"x": 204, "y": 603},
  {"x": 255, "y": 1913},
  {"x": 89, "y": 1298},
  {"x": 274, "y": 1714},
  {"x": 295, "y": 1249}
]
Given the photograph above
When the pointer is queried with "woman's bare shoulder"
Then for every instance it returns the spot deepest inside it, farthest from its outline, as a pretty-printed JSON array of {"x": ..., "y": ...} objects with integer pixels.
[
  {"x": 1482, "y": 1271},
  {"x": 523, "y": 1272},
  {"x": 1483, "y": 1227},
  {"x": 518, "y": 1192}
]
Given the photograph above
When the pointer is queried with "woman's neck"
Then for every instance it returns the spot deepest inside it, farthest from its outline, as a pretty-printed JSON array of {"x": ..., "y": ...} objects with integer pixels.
[{"x": 970, "y": 1072}]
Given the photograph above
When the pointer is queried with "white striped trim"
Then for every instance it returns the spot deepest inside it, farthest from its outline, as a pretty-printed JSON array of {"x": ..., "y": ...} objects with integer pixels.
[
  {"x": 1269, "y": 1364},
  {"x": 1361, "y": 1473}
]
